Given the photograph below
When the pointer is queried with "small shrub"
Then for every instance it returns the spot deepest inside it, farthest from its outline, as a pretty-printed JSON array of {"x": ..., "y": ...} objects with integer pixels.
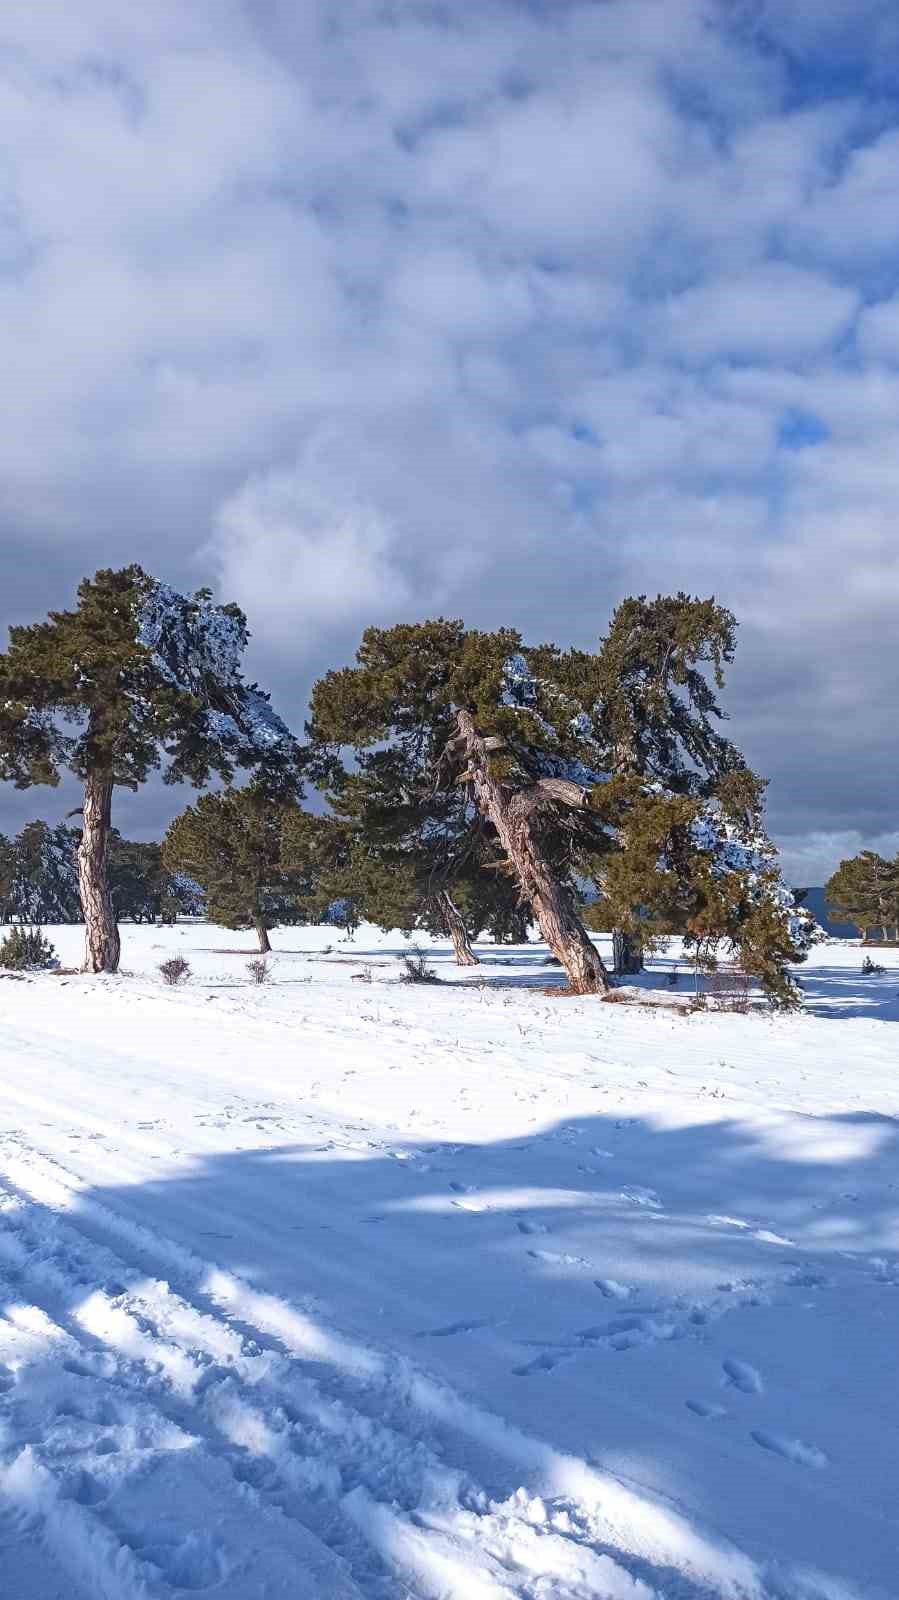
[
  {"x": 175, "y": 970},
  {"x": 258, "y": 970},
  {"x": 870, "y": 969},
  {"x": 26, "y": 950},
  {"x": 699, "y": 1001},
  {"x": 362, "y": 977},
  {"x": 417, "y": 969}
]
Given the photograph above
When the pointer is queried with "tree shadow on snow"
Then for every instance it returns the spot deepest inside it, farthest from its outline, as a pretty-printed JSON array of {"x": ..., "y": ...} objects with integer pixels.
[{"x": 577, "y": 1277}]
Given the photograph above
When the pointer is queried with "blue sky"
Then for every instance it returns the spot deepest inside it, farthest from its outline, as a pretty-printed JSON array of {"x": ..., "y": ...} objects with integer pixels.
[{"x": 364, "y": 311}]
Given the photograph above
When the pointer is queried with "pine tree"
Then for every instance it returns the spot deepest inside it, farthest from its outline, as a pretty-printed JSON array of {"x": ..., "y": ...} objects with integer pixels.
[
  {"x": 434, "y": 706},
  {"x": 865, "y": 890},
  {"x": 658, "y": 669},
  {"x": 135, "y": 678},
  {"x": 542, "y": 762},
  {"x": 7, "y": 870},
  {"x": 232, "y": 844},
  {"x": 43, "y": 884}
]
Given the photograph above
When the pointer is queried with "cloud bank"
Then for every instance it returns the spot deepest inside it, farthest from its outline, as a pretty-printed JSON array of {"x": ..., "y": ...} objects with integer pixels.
[{"x": 368, "y": 311}]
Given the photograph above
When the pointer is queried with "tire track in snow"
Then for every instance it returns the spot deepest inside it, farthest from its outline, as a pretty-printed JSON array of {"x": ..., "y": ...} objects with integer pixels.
[
  {"x": 238, "y": 1399},
  {"x": 583, "y": 1508},
  {"x": 67, "y": 1491}
]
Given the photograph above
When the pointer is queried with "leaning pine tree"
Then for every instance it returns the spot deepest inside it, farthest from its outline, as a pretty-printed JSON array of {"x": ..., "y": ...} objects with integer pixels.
[
  {"x": 441, "y": 698},
  {"x": 137, "y": 677},
  {"x": 520, "y": 730}
]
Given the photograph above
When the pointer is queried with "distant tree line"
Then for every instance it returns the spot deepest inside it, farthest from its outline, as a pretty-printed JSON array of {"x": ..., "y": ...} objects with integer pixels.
[
  {"x": 39, "y": 879},
  {"x": 474, "y": 781},
  {"x": 864, "y": 890}
]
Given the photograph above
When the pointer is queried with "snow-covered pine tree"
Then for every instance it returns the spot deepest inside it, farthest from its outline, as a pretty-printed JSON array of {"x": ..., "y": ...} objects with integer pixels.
[
  {"x": 137, "y": 677},
  {"x": 43, "y": 884},
  {"x": 659, "y": 669},
  {"x": 447, "y": 770},
  {"x": 520, "y": 730},
  {"x": 7, "y": 869}
]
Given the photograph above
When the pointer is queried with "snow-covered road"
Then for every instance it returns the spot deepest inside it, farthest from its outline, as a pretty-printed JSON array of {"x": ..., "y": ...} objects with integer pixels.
[{"x": 332, "y": 1288}]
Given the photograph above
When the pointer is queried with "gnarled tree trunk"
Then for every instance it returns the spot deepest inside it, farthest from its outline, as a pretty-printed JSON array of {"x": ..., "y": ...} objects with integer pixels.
[
  {"x": 627, "y": 951},
  {"x": 454, "y": 923},
  {"x": 262, "y": 936},
  {"x": 102, "y": 947},
  {"x": 510, "y": 814}
]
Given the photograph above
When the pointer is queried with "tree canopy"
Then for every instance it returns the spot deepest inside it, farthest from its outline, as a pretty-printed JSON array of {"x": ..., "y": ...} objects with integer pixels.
[{"x": 136, "y": 678}]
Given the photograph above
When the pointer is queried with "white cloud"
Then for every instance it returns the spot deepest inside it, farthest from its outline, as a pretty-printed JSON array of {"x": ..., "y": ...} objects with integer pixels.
[
  {"x": 504, "y": 310},
  {"x": 303, "y": 552}
]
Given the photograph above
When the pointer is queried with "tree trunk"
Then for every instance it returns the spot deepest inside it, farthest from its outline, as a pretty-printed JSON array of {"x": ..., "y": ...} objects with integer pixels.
[
  {"x": 455, "y": 927},
  {"x": 628, "y": 952},
  {"x": 510, "y": 815},
  {"x": 262, "y": 936},
  {"x": 101, "y": 935}
]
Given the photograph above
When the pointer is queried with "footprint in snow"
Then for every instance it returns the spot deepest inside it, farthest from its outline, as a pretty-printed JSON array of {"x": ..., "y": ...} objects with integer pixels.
[
  {"x": 542, "y": 1363},
  {"x": 740, "y": 1375},
  {"x": 612, "y": 1289},
  {"x": 526, "y": 1226},
  {"x": 559, "y": 1259},
  {"x": 639, "y": 1196},
  {"x": 453, "y": 1328},
  {"x": 806, "y": 1278},
  {"x": 702, "y": 1408},
  {"x": 805, "y": 1455}
]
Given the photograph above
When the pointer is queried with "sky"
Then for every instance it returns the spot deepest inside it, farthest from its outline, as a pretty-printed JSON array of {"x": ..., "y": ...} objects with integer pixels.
[{"x": 369, "y": 311}]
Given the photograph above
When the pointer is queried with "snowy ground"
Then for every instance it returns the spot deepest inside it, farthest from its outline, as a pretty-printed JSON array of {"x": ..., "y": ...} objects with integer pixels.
[{"x": 337, "y": 1289}]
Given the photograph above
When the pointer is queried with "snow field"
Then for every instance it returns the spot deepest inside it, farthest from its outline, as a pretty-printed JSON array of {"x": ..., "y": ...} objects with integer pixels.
[{"x": 349, "y": 1289}]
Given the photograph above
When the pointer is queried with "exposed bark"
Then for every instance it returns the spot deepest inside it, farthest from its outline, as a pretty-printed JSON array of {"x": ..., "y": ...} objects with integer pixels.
[
  {"x": 262, "y": 936},
  {"x": 102, "y": 946},
  {"x": 454, "y": 924},
  {"x": 628, "y": 952},
  {"x": 510, "y": 813}
]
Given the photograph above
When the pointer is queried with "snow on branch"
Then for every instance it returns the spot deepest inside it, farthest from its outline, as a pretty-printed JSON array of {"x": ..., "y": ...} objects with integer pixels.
[{"x": 198, "y": 646}]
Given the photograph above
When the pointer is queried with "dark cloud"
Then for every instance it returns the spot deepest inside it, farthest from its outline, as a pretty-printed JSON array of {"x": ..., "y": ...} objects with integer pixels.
[{"x": 505, "y": 311}]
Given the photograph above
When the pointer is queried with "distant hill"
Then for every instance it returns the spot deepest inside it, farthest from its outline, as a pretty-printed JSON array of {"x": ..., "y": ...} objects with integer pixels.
[{"x": 817, "y": 905}]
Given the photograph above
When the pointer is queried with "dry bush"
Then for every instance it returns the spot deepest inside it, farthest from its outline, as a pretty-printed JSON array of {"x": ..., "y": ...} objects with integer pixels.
[
  {"x": 258, "y": 970},
  {"x": 417, "y": 969},
  {"x": 175, "y": 970}
]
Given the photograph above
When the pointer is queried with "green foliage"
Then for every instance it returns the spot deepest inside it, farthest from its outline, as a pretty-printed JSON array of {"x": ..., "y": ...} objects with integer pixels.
[
  {"x": 133, "y": 675},
  {"x": 631, "y": 731},
  {"x": 39, "y": 879},
  {"x": 395, "y": 711},
  {"x": 137, "y": 880},
  {"x": 865, "y": 890},
  {"x": 26, "y": 950},
  {"x": 657, "y": 672},
  {"x": 232, "y": 844}
]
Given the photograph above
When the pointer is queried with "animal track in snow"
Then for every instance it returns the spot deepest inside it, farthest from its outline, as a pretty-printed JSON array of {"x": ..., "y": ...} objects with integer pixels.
[
  {"x": 740, "y": 1375},
  {"x": 526, "y": 1226},
  {"x": 805, "y": 1455}
]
